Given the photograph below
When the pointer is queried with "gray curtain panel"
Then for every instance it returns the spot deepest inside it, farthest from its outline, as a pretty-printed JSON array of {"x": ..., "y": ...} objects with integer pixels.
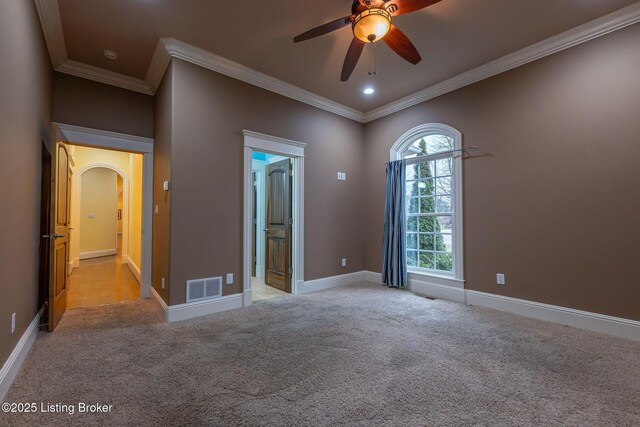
[{"x": 394, "y": 256}]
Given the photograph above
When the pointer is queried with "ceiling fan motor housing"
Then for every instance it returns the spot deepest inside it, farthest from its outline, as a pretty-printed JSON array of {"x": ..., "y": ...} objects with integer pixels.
[{"x": 371, "y": 25}]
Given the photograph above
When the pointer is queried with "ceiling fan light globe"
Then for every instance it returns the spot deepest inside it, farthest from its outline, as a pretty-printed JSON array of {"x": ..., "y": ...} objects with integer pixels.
[{"x": 372, "y": 25}]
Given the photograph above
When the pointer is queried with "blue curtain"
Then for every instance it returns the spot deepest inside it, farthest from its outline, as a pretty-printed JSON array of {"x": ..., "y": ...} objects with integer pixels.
[{"x": 394, "y": 256}]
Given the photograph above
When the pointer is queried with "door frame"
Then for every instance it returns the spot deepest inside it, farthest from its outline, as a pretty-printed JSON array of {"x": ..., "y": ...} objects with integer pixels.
[
  {"x": 294, "y": 150},
  {"x": 96, "y": 138}
]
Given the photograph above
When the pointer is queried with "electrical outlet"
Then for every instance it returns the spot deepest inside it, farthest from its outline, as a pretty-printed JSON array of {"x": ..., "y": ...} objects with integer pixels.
[
  {"x": 13, "y": 323},
  {"x": 163, "y": 283},
  {"x": 500, "y": 279},
  {"x": 344, "y": 262},
  {"x": 230, "y": 279}
]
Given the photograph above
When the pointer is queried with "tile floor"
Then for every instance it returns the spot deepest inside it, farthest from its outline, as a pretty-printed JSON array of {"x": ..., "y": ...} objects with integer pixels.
[{"x": 262, "y": 291}]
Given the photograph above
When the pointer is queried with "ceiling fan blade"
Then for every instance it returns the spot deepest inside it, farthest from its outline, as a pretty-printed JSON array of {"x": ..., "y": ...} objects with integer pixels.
[
  {"x": 353, "y": 55},
  {"x": 401, "y": 45},
  {"x": 408, "y": 6},
  {"x": 325, "y": 29}
]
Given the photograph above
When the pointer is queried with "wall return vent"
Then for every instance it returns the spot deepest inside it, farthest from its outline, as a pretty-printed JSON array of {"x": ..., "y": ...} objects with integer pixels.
[{"x": 204, "y": 289}]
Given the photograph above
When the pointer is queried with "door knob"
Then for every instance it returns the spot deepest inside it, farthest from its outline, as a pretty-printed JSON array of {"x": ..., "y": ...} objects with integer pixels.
[{"x": 265, "y": 230}]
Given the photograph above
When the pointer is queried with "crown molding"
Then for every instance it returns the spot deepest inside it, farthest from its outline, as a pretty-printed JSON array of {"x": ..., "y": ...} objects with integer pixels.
[
  {"x": 49, "y": 14},
  {"x": 591, "y": 30},
  {"x": 186, "y": 52},
  {"x": 168, "y": 48},
  {"x": 158, "y": 66},
  {"x": 101, "y": 75}
]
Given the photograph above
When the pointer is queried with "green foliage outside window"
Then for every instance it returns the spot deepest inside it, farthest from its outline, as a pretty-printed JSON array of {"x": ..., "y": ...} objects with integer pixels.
[{"x": 428, "y": 250}]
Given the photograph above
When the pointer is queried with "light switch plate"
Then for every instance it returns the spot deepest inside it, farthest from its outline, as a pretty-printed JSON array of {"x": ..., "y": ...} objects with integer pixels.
[
  {"x": 344, "y": 262},
  {"x": 500, "y": 279},
  {"x": 166, "y": 186},
  {"x": 230, "y": 279}
]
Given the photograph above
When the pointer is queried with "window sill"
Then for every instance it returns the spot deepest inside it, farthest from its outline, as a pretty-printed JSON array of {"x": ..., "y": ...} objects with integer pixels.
[{"x": 436, "y": 278}]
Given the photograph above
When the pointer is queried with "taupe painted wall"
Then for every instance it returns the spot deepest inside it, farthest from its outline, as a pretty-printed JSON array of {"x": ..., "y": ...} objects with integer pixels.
[
  {"x": 25, "y": 121},
  {"x": 162, "y": 172},
  {"x": 552, "y": 199},
  {"x": 86, "y": 103},
  {"x": 210, "y": 111}
]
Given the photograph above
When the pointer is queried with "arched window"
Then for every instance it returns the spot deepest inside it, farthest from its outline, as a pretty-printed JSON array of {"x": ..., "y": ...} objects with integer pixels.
[{"x": 434, "y": 199}]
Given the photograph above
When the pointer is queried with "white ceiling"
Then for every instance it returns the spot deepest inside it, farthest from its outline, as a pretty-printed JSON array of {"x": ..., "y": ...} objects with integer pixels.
[{"x": 453, "y": 36}]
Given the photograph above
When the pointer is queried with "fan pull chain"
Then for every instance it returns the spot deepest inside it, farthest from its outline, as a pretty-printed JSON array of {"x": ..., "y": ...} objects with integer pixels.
[{"x": 372, "y": 60}]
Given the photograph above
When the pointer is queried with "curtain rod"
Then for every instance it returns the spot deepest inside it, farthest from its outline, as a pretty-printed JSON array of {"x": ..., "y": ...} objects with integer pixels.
[{"x": 442, "y": 154}]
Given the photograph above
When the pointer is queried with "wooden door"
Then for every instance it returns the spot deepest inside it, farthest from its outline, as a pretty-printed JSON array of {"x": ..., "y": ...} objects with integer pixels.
[
  {"x": 46, "y": 191},
  {"x": 278, "y": 221},
  {"x": 60, "y": 236}
]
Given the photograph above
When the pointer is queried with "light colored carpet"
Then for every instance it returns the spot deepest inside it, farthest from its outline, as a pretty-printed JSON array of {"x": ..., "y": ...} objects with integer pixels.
[{"x": 359, "y": 356}]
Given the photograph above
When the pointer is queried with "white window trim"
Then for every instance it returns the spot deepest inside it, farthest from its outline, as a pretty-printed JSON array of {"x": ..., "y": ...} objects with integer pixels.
[{"x": 397, "y": 153}]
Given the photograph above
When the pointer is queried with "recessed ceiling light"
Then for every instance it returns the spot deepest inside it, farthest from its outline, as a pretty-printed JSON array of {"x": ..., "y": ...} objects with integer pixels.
[
  {"x": 369, "y": 91},
  {"x": 110, "y": 54}
]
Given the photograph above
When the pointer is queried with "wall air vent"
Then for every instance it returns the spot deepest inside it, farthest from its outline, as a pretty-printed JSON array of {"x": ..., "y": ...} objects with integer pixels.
[{"x": 204, "y": 289}]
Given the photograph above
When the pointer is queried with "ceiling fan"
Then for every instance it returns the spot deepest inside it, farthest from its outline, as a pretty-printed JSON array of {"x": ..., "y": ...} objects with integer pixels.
[{"x": 371, "y": 22}]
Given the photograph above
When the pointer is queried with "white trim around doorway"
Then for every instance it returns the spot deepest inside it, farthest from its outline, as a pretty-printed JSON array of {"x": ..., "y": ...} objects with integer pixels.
[
  {"x": 96, "y": 138},
  {"x": 254, "y": 141}
]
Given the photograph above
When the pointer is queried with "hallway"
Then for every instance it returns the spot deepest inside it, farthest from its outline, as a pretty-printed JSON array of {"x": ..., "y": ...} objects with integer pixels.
[{"x": 102, "y": 281}]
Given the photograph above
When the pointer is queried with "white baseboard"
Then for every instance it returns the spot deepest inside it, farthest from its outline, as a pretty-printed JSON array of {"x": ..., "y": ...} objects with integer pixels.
[
  {"x": 425, "y": 287},
  {"x": 625, "y": 328},
  {"x": 617, "y": 326},
  {"x": 132, "y": 266},
  {"x": 247, "y": 298},
  {"x": 18, "y": 355},
  {"x": 177, "y": 313},
  {"x": 158, "y": 298},
  {"x": 331, "y": 282},
  {"x": 98, "y": 254},
  {"x": 435, "y": 290}
]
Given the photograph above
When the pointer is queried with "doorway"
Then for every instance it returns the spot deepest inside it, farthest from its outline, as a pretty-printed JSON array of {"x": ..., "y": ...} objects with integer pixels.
[
  {"x": 272, "y": 269},
  {"x": 82, "y": 157},
  {"x": 273, "y": 216},
  {"x": 105, "y": 232}
]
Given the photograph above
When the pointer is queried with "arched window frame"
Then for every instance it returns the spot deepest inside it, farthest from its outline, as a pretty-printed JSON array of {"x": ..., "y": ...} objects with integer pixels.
[{"x": 398, "y": 152}]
